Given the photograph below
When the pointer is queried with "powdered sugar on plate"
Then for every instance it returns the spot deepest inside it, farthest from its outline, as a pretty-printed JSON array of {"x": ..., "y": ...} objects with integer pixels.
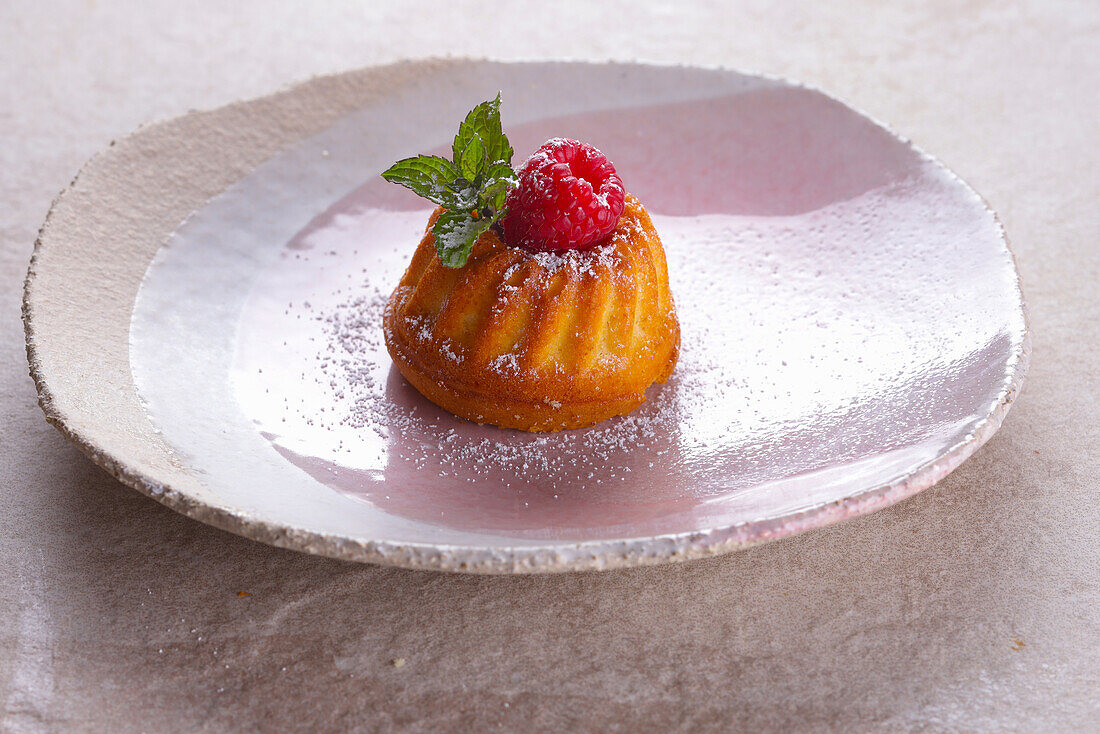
[{"x": 314, "y": 375}]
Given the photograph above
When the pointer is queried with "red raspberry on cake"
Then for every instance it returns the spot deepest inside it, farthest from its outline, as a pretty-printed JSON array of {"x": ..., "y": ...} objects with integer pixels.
[{"x": 569, "y": 197}]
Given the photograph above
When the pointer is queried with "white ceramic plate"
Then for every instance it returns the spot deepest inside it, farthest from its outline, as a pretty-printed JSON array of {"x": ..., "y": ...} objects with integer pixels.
[{"x": 203, "y": 316}]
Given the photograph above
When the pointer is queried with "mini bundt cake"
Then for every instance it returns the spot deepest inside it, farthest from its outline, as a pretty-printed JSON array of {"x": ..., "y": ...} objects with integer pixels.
[
  {"x": 538, "y": 299},
  {"x": 538, "y": 341}
]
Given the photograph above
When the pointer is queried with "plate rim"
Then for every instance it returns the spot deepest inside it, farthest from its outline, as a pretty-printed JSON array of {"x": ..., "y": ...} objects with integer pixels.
[{"x": 587, "y": 555}]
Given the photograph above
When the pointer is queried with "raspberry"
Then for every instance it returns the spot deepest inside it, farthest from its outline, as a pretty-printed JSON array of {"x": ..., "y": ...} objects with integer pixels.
[{"x": 568, "y": 198}]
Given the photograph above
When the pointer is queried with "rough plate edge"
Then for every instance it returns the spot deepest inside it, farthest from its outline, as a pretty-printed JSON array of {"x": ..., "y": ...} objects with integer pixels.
[{"x": 596, "y": 555}]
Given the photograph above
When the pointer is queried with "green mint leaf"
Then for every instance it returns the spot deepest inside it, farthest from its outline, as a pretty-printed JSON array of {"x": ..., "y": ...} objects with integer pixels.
[
  {"x": 434, "y": 178},
  {"x": 482, "y": 124},
  {"x": 497, "y": 181},
  {"x": 455, "y": 234},
  {"x": 472, "y": 161},
  {"x": 472, "y": 188},
  {"x": 463, "y": 195}
]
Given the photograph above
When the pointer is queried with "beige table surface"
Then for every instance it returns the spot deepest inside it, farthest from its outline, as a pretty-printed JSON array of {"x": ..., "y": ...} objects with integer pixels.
[{"x": 974, "y": 606}]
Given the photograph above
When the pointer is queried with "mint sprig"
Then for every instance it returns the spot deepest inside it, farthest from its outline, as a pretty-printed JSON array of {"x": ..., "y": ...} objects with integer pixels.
[{"x": 472, "y": 187}]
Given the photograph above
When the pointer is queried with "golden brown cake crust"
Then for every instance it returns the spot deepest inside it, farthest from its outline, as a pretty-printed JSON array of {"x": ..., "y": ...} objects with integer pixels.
[{"x": 538, "y": 341}]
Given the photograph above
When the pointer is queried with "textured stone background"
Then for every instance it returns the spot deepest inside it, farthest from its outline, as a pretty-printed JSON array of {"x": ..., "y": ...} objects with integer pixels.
[{"x": 970, "y": 607}]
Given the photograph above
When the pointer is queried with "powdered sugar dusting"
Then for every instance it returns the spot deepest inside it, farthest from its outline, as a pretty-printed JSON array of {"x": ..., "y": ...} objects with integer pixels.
[
  {"x": 431, "y": 439},
  {"x": 328, "y": 398},
  {"x": 506, "y": 364},
  {"x": 599, "y": 259},
  {"x": 314, "y": 373}
]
